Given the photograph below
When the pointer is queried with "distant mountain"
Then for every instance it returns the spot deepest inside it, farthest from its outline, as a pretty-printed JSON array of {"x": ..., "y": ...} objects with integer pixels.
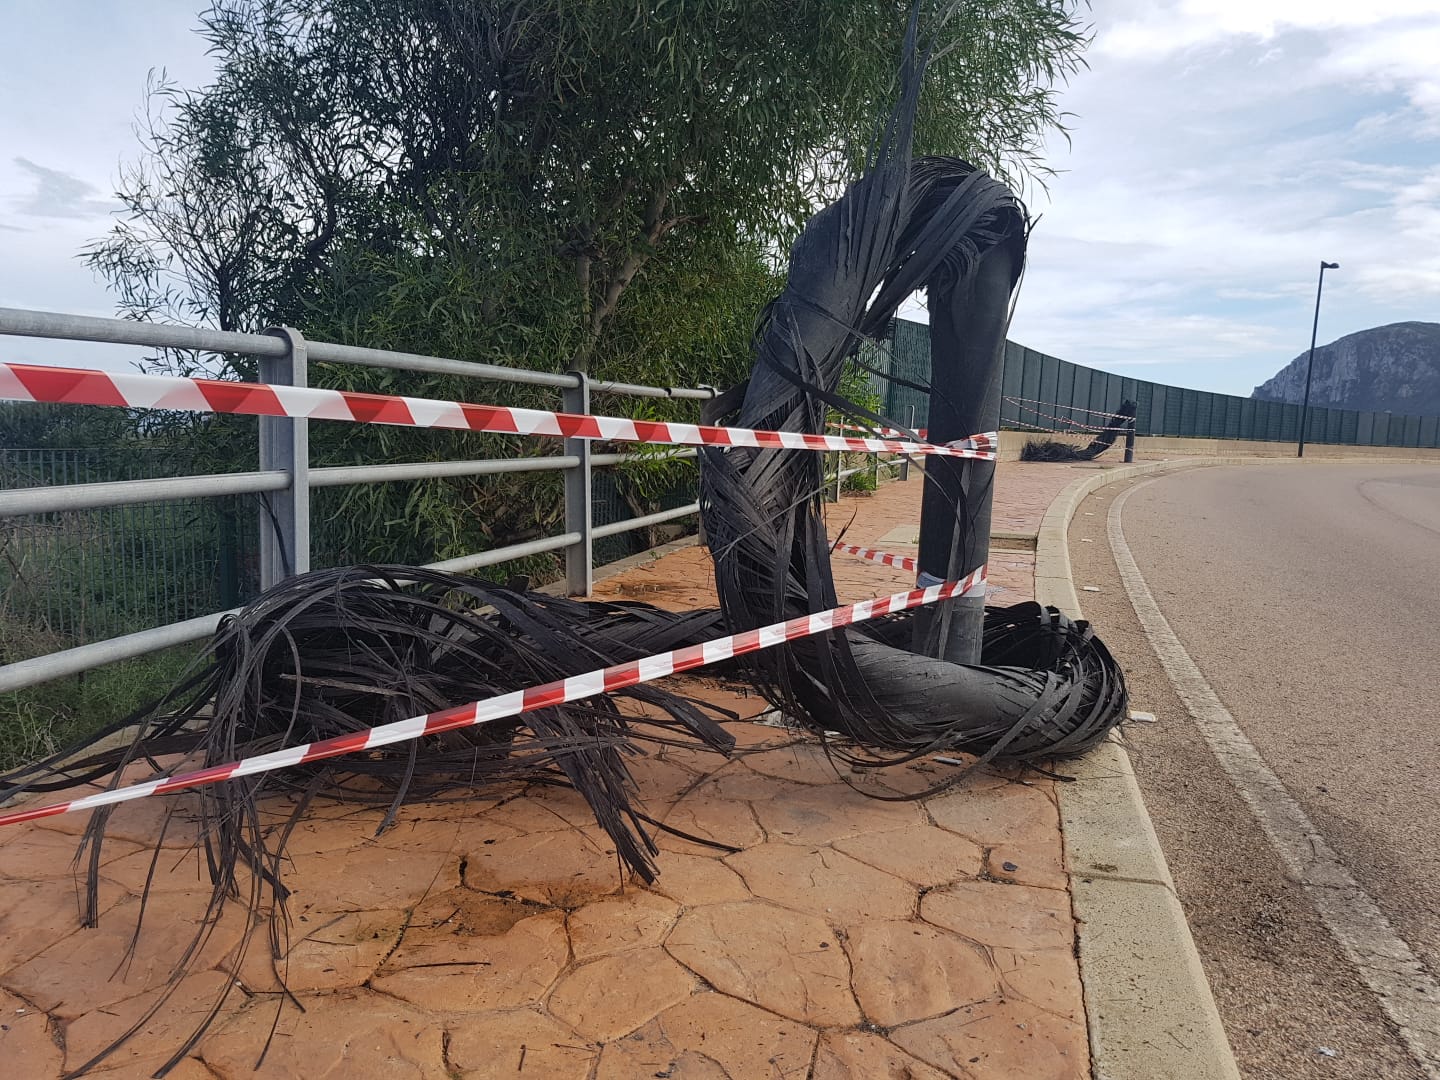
[{"x": 1393, "y": 368}]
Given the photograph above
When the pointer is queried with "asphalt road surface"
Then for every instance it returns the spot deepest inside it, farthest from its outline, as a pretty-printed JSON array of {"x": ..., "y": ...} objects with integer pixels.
[{"x": 1309, "y": 598}]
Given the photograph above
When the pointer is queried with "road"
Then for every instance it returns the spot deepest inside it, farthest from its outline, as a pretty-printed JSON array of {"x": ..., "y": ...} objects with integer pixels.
[{"x": 1308, "y": 596}]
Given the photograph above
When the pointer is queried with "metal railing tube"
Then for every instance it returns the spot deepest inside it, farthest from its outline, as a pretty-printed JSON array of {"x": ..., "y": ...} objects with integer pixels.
[
  {"x": 330, "y": 353},
  {"x": 615, "y": 528},
  {"x": 54, "y": 665},
  {"x": 466, "y": 563},
  {"x": 703, "y": 393},
  {"x": 598, "y": 460},
  {"x": 46, "y": 500},
  {"x": 337, "y": 475},
  {"x": 51, "y": 324},
  {"x": 579, "y": 502},
  {"x": 285, "y": 446}
]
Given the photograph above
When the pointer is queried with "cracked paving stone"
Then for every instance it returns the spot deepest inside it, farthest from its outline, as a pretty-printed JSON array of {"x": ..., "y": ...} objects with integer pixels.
[
  {"x": 524, "y": 815},
  {"x": 565, "y": 803},
  {"x": 693, "y": 880},
  {"x": 1047, "y": 978},
  {"x": 659, "y": 782},
  {"x": 1008, "y": 814},
  {"x": 696, "y": 762},
  {"x": 710, "y": 818},
  {"x": 1000, "y": 1041},
  {"x": 564, "y": 868},
  {"x": 324, "y": 952},
  {"x": 1041, "y": 865},
  {"x": 841, "y": 890},
  {"x": 736, "y": 785},
  {"x": 637, "y": 919},
  {"x": 353, "y": 1033},
  {"x": 386, "y": 877},
  {"x": 906, "y": 971},
  {"x": 614, "y": 995},
  {"x": 712, "y": 1037},
  {"x": 922, "y": 855},
  {"x": 41, "y": 855},
  {"x": 506, "y": 970},
  {"x": 784, "y": 961},
  {"x": 139, "y": 822},
  {"x": 34, "y": 915},
  {"x": 848, "y": 1055},
  {"x": 155, "y": 1043},
  {"x": 90, "y": 970},
  {"x": 817, "y": 815},
  {"x": 25, "y": 1043},
  {"x": 517, "y": 1043},
  {"x": 1005, "y": 916},
  {"x": 174, "y": 871},
  {"x": 447, "y": 924},
  {"x": 802, "y": 764}
]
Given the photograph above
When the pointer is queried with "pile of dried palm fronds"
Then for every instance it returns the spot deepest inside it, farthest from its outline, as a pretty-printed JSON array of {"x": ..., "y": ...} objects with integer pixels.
[
  {"x": 1120, "y": 422},
  {"x": 339, "y": 651}
]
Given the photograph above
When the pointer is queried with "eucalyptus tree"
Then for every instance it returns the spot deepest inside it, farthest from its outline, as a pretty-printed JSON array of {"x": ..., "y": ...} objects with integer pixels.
[{"x": 604, "y": 185}]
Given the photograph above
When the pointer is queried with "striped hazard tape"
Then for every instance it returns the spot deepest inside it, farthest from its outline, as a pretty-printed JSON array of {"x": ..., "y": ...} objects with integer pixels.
[
  {"x": 884, "y": 433},
  {"x": 574, "y": 688},
  {"x": 902, "y": 562},
  {"x": 84, "y": 386}
]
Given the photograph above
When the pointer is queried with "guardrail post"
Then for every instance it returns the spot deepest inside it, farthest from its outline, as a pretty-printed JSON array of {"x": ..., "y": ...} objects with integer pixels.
[
  {"x": 285, "y": 445},
  {"x": 905, "y": 458},
  {"x": 579, "y": 502}
]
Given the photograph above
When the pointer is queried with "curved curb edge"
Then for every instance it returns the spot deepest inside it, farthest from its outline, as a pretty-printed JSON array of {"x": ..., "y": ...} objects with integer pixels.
[{"x": 1148, "y": 1005}]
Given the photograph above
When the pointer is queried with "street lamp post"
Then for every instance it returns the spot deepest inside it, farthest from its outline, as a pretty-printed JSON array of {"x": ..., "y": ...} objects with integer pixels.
[{"x": 1310, "y": 364}]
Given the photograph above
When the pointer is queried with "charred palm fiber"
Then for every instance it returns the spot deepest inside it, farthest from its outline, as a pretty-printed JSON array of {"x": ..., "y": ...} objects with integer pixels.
[{"x": 337, "y": 651}]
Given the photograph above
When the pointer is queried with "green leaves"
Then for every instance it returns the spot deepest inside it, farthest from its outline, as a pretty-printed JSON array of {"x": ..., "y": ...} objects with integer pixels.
[{"x": 554, "y": 184}]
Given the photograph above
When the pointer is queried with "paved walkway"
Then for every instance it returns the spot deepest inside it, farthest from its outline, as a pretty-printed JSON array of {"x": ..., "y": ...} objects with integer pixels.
[{"x": 845, "y": 937}]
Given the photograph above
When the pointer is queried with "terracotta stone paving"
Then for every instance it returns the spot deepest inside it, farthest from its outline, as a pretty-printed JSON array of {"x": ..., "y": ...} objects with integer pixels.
[{"x": 820, "y": 933}]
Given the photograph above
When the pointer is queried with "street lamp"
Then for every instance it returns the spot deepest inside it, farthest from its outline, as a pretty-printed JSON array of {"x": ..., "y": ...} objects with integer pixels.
[{"x": 1310, "y": 365}]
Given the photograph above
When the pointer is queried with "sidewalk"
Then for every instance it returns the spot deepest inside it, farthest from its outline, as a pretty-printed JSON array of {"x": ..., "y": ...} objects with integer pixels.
[{"x": 848, "y": 937}]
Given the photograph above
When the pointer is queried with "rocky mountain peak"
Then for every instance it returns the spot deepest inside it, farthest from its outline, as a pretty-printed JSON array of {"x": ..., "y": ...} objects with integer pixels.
[{"x": 1394, "y": 368}]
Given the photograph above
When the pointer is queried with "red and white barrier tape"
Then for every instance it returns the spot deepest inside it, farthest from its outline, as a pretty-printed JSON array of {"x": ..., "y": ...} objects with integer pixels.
[
  {"x": 1055, "y": 430},
  {"x": 1066, "y": 408},
  {"x": 83, "y": 386},
  {"x": 1076, "y": 424},
  {"x": 575, "y": 688},
  {"x": 901, "y": 562},
  {"x": 884, "y": 433}
]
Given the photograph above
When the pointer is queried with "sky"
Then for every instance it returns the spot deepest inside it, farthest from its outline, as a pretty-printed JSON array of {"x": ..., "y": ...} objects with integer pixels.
[{"x": 1218, "y": 150}]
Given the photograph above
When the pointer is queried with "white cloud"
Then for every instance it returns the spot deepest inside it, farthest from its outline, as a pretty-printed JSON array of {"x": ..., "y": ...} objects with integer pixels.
[
  {"x": 1220, "y": 151},
  {"x": 57, "y": 194}
]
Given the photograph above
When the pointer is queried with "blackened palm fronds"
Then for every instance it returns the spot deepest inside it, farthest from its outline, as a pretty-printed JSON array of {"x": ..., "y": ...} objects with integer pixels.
[
  {"x": 1033, "y": 656},
  {"x": 335, "y": 652},
  {"x": 902, "y": 225},
  {"x": 1121, "y": 421}
]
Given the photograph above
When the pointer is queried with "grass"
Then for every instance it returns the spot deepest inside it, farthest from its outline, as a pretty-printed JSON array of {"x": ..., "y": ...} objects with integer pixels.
[{"x": 38, "y": 721}]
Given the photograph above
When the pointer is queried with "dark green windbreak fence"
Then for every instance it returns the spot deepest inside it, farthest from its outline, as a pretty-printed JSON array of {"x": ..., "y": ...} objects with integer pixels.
[{"x": 1046, "y": 393}]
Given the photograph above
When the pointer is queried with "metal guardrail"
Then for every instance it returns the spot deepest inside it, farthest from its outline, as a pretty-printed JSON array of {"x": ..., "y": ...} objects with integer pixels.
[{"x": 283, "y": 478}]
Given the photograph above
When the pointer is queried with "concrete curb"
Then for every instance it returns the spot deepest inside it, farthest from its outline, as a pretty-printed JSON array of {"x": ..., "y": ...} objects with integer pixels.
[{"x": 1148, "y": 1004}]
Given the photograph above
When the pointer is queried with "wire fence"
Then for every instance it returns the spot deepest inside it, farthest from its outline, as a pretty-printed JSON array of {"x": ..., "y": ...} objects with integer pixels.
[{"x": 72, "y": 577}]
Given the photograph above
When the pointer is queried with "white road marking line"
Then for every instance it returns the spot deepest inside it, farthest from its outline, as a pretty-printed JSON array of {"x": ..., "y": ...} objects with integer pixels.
[{"x": 1406, "y": 993}]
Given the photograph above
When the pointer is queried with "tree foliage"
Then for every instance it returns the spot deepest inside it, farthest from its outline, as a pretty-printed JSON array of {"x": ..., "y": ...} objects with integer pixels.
[{"x": 602, "y": 185}]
